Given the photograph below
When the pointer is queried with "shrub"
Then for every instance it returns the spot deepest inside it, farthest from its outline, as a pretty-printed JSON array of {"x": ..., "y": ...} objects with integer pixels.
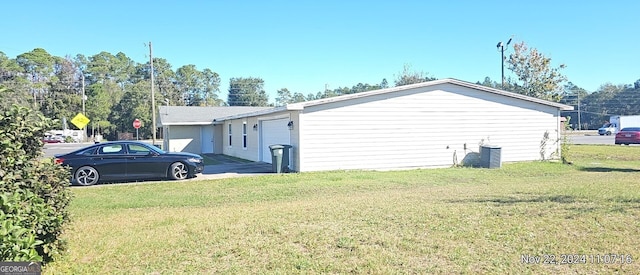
[
  {"x": 565, "y": 144},
  {"x": 34, "y": 192},
  {"x": 68, "y": 139}
]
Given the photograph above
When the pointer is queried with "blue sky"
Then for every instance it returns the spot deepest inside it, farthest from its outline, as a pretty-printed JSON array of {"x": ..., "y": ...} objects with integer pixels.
[{"x": 305, "y": 45}]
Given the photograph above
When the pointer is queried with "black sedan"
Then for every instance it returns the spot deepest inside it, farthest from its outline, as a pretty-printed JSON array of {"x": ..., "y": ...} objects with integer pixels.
[{"x": 128, "y": 160}]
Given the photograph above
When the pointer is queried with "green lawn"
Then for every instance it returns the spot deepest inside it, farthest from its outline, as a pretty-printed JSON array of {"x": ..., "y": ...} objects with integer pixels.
[{"x": 457, "y": 220}]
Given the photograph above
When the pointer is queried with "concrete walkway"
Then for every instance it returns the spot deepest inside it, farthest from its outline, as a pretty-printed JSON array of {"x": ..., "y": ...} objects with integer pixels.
[{"x": 230, "y": 167}]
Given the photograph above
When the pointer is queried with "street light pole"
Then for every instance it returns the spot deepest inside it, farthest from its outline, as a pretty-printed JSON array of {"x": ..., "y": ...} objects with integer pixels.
[{"x": 501, "y": 47}]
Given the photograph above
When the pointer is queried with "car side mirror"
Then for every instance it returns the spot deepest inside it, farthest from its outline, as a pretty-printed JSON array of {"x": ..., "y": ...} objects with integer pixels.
[{"x": 152, "y": 153}]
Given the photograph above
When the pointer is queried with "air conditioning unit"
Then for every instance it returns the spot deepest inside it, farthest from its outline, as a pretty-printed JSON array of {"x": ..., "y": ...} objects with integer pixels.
[{"x": 490, "y": 156}]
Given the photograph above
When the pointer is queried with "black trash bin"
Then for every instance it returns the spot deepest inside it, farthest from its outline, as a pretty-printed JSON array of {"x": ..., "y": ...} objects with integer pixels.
[{"x": 279, "y": 158}]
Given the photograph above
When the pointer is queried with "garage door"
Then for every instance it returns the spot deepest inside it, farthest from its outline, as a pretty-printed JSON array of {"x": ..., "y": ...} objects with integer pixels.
[{"x": 272, "y": 132}]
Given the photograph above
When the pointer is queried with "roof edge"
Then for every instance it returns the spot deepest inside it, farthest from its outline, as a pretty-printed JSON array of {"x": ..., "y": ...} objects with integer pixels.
[
  {"x": 256, "y": 113},
  {"x": 301, "y": 105},
  {"x": 185, "y": 123},
  {"x": 560, "y": 106}
]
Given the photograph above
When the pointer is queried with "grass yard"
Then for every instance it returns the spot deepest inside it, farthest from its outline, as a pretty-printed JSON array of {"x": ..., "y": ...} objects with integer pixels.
[{"x": 457, "y": 220}]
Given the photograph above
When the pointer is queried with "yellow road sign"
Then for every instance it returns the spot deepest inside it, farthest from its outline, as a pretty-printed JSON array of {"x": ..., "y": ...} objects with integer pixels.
[{"x": 80, "y": 121}]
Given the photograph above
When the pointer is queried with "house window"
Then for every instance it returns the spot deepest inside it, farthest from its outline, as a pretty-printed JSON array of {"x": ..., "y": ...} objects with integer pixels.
[
  {"x": 230, "y": 135},
  {"x": 244, "y": 135}
]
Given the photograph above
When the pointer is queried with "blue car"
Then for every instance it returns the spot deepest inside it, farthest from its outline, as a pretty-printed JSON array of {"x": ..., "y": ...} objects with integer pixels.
[{"x": 128, "y": 160}]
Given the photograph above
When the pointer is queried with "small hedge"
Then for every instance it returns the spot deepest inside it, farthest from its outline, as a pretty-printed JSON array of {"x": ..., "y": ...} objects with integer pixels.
[{"x": 34, "y": 192}]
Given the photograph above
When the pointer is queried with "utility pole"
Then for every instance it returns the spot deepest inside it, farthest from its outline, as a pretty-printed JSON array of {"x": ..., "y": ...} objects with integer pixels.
[
  {"x": 84, "y": 136},
  {"x": 83, "y": 96},
  {"x": 579, "y": 124},
  {"x": 501, "y": 47},
  {"x": 153, "y": 97}
]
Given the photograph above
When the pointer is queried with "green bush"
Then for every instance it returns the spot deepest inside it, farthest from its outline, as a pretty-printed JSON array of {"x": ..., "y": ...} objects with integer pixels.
[
  {"x": 34, "y": 192},
  {"x": 68, "y": 139}
]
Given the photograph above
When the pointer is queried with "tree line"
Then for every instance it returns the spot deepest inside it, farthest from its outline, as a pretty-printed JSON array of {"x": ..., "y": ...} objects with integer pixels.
[{"x": 117, "y": 89}]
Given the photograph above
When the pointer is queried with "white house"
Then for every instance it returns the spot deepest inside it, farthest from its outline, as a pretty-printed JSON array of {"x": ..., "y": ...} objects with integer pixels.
[
  {"x": 433, "y": 124},
  {"x": 192, "y": 129}
]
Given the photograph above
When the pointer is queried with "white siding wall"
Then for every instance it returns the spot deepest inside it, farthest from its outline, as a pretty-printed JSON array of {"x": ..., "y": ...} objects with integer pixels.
[
  {"x": 422, "y": 128},
  {"x": 295, "y": 141},
  {"x": 236, "y": 149},
  {"x": 254, "y": 150}
]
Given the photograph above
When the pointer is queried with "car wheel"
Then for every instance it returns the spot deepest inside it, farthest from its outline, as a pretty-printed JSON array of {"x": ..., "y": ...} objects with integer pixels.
[
  {"x": 608, "y": 133},
  {"x": 178, "y": 171},
  {"x": 87, "y": 175}
]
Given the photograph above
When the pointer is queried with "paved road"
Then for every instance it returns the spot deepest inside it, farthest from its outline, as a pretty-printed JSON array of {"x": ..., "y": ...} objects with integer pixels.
[
  {"x": 51, "y": 149},
  {"x": 592, "y": 139}
]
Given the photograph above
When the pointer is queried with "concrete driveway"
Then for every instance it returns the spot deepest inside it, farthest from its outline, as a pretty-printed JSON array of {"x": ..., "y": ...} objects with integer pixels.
[{"x": 231, "y": 168}]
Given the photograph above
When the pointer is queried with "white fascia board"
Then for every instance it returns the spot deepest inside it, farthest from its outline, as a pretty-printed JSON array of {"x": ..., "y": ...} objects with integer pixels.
[
  {"x": 187, "y": 123},
  {"x": 257, "y": 113}
]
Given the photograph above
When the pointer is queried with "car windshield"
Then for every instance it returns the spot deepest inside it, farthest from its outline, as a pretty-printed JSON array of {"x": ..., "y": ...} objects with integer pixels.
[{"x": 631, "y": 129}]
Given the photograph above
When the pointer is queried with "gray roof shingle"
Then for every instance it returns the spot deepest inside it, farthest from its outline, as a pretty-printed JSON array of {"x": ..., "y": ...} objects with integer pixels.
[{"x": 194, "y": 115}]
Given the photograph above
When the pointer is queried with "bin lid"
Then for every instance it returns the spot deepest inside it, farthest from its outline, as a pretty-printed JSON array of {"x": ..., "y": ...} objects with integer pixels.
[
  {"x": 279, "y": 146},
  {"x": 489, "y": 146}
]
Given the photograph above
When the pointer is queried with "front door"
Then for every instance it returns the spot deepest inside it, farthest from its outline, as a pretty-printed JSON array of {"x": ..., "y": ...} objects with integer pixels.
[{"x": 207, "y": 139}]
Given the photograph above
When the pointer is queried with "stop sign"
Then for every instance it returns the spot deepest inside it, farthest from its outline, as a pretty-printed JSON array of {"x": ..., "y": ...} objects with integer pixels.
[{"x": 136, "y": 123}]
